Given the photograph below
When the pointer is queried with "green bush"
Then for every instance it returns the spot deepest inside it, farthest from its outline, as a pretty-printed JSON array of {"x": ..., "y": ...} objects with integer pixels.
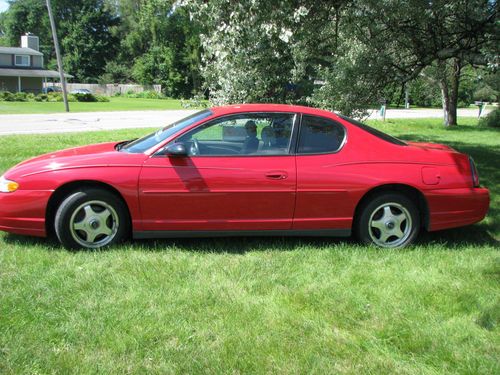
[
  {"x": 148, "y": 94},
  {"x": 90, "y": 98},
  {"x": 85, "y": 97},
  {"x": 492, "y": 119},
  {"x": 6, "y": 96}
]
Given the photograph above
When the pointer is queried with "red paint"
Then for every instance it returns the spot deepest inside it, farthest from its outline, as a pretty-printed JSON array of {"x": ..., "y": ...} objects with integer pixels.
[{"x": 250, "y": 192}]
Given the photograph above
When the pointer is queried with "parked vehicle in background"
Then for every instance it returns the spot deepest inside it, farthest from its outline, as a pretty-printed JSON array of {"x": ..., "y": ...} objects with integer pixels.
[
  {"x": 80, "y": 91},
  {"x": 49, "y": 89},
  {"x": 258, "y": 169}
]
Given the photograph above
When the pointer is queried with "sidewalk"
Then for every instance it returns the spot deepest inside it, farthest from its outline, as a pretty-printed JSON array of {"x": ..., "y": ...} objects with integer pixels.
[{"x": 89, "y": 121}]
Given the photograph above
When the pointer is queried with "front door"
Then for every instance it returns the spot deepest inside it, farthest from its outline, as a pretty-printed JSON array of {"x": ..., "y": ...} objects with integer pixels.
[{"x": 239, "y": 175}]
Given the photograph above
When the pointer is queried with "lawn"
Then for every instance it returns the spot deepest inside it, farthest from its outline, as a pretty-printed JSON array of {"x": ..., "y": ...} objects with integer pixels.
[
  {"x": 257, "y": 305},
  {"x": 115, "y": 104}
]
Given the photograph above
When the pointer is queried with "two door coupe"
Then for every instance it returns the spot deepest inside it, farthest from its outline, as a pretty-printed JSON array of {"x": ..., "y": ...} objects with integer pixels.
[{"x": 256, "y": 169}]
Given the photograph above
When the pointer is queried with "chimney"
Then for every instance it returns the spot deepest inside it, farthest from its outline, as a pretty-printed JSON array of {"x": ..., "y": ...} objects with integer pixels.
[{"x": 30, "y": 41}]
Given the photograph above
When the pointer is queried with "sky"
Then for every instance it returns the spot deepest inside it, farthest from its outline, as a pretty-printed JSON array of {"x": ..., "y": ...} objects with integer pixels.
[{"x": 3, "y": 5}]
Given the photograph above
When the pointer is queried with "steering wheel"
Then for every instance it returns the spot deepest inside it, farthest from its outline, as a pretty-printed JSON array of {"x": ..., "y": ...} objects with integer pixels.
[{"x": 195, "y": 147}]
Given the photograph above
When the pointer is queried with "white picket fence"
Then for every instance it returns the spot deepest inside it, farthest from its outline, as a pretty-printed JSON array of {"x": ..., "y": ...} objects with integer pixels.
[{"x": 109, "y": 89}]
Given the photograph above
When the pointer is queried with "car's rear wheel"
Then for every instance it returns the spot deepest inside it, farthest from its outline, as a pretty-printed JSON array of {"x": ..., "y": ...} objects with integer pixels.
[
  {"x": 389, "y": 220},
  {"x": 91, "y": 218}
]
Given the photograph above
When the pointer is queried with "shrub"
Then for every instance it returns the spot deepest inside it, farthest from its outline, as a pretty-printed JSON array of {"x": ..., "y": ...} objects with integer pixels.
[
  {"x": 6, "y": 96},
  {"x": 147, "y": 94},
  {"x": 19, "y": 97},
  {"x": 90, "y": 98},
  {"x": 102, "y": 98},
  {"x": 492, "y": 119},
  {"x": 85, "y": 97}
]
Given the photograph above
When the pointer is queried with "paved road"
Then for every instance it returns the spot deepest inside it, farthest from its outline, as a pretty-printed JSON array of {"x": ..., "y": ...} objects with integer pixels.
[
  {"x": 78, "y": 122},
  {"x": 87, "y": 121}
]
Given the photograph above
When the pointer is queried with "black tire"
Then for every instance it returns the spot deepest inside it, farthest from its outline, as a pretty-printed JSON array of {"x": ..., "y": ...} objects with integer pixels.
[
  {"x": 392, "y": 227},
  {"x": 91, "y": 219}
]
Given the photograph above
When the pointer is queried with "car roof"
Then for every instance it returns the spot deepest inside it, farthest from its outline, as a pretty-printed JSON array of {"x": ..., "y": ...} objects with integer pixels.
[{"x": 237, "y": 108}]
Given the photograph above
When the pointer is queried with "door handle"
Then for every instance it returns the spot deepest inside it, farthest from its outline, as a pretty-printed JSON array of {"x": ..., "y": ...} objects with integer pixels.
[{"x": 276, "y": 175}]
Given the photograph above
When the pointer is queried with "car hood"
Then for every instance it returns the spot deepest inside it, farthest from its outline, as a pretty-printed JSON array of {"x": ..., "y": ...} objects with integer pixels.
[
  {"x": 103, "y": 154},
  {"x": 76, "y": 151}
]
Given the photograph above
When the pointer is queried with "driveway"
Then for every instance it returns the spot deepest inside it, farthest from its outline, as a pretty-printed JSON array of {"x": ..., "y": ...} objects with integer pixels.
[{"x": 88, "y": 121}]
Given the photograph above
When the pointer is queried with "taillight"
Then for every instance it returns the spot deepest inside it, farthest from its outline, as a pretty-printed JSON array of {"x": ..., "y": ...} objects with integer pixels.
[{"x": 475, "y": 175}]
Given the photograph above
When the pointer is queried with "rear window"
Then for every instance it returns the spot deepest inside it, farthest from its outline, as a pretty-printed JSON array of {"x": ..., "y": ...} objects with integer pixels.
[
  {"x": 375, "y": 132},
  {"x": 320, "y": 135}
]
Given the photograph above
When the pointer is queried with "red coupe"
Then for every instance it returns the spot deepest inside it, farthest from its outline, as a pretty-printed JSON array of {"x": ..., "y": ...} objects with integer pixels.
[{"x": 245, "y": 170}]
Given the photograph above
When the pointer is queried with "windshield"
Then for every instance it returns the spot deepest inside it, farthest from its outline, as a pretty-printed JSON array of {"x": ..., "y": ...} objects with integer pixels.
[
  {"x": 145, "y": 143},
  {"x": 375, "y": 132}
]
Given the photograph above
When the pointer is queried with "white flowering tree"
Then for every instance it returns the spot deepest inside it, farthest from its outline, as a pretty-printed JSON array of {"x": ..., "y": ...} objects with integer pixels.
[{"x": 261, "y": 51}]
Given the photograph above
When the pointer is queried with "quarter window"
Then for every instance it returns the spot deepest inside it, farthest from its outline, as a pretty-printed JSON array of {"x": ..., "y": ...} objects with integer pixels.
[
  {"x": 320, "y": 135},
  {"x": 22, "y": 60}
]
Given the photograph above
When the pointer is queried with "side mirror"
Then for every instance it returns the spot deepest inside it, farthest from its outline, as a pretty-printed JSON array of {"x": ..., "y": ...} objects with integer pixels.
[{"x": 175, "y": 149}]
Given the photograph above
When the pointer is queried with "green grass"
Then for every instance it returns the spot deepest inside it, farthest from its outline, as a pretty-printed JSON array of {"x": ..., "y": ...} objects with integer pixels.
[
  {"x": 115, "y": 104},
  {"x": 257, "y": 305}
]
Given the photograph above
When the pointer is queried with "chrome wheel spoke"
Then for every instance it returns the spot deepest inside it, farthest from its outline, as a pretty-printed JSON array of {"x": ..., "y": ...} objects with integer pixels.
[
  {"x": 91, "y": 235},
  {"x": 80, "y": 226},
  {"x": 387, "y": 213},
  {"x": 89, "y": 212},
  {"x": 106, "y": 231},
  {"x": 379, "y": 224},
  {"x": 400, "y": 219},
  {"x": 104, "y": 215},
  {"x": 398, "y": 233},
  {"x": 384, "y": 236}
]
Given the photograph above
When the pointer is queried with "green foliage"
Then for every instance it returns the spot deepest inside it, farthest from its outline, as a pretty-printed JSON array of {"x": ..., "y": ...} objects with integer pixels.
[
  {"x": 50, "y": 97},
  {"x": 492, "y": 120},
  {"x": 115, "y": 72},
  {"x": 485, "y": 94},
  {"x": 146, "y": 94},
  {"x": 88, "y": 97}
]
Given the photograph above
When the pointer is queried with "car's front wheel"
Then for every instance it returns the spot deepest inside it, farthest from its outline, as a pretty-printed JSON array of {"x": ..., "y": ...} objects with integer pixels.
[
  {"x": 389, "y": 220},
  {"x": 91, "y": 219}
]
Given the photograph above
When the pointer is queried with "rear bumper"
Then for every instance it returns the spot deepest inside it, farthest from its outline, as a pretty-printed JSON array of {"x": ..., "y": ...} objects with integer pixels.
[
  {"x": 451, "y": 208},
  {"x": 23, "y": 212}
]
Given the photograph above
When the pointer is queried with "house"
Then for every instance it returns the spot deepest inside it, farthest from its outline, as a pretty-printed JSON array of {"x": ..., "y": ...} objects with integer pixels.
[{"x": 21, "y": 68}]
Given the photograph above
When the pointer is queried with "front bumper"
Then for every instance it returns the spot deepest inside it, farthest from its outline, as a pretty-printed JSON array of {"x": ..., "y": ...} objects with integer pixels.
[
  {"x": 451, "y": 208},
  {"x": 23, "y": 212}
]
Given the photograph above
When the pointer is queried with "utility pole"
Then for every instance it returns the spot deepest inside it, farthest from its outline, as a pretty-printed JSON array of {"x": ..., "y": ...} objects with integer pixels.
[{"x": 58, "y": 56}]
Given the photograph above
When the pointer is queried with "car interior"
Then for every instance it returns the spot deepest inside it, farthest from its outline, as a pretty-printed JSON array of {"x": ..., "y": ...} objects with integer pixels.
[{"x": 257, "y": 134}]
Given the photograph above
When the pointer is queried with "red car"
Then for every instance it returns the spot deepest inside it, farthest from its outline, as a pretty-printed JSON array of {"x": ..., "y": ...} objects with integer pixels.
[{"x": 256, "y": 169}]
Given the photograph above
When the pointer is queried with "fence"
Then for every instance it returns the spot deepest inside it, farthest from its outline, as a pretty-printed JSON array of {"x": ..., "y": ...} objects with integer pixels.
[{"x": 108, "y": 89}]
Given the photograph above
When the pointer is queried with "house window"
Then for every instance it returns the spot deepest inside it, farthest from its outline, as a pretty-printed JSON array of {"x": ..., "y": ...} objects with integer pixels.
[{"x": 22, "y": 60}]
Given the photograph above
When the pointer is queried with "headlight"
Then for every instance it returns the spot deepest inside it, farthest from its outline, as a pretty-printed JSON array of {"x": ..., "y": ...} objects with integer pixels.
[{"x": 7, "y": 186}]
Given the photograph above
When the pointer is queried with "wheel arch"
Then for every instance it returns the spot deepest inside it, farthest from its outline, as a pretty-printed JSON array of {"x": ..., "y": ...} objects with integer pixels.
[
  {"x": 409, "y": 191},
  {"x": 66, "y": 189}
]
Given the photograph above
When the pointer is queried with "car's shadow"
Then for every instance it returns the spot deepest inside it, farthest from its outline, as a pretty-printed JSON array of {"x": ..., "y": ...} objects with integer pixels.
[{"x": 453, "y": 239}]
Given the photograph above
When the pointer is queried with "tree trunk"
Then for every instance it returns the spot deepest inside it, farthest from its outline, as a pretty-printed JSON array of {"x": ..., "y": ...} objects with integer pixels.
[
  {"x": 445, "y": 98},
  {"x": 454, "y": 84}
]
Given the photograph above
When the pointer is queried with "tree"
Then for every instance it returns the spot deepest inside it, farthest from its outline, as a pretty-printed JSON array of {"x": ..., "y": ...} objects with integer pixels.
[
  {"x": 159, "y": 45},
  {"x": 85, "y": 30},
  {"x": 261, "y": 51},
  {"x": 435, "y": 39}
]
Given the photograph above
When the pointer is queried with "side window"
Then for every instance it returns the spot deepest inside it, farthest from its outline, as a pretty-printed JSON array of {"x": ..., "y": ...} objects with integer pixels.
[
  {"x": 320, "y": 135},
  {"x": 242, "y": 134}
]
